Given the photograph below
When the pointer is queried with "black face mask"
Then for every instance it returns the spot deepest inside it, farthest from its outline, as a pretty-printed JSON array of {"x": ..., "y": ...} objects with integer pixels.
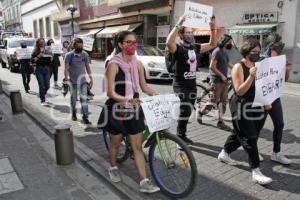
[
  {"x": 78, "y": 50},
  {"x": 228, "y": 46},
  {"x": 255, "y": 57}
]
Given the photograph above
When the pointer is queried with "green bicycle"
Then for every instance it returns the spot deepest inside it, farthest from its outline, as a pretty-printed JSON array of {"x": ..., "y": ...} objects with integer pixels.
[{"x": 171, "y": 161}]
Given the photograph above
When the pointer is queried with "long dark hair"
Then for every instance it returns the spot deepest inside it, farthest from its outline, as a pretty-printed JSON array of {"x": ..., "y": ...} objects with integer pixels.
[
  {"x": 49, "y": 42},
  {"x": 37, "y": 48},
  {"x": 120, "y": 37}
]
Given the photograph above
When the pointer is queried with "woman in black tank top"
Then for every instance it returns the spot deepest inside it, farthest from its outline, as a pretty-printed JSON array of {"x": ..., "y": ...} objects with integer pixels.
[
  {"x": 247, "y": 121},
  {"x": 125, "y": 75}
]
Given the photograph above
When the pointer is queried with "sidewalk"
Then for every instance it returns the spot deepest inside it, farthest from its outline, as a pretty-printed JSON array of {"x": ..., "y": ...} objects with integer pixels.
[
  {"x": 28, "y": 170},
  {"x": 215, "y": 180}
]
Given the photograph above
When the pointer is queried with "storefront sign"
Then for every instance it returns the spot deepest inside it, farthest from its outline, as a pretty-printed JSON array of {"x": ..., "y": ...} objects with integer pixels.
[
  {"x": 269, "y": 81},
  {"x": 161, "y": 111},
  {"x": 267, "y": 17},
  {"x": 197, "y": 15},
  {"x": 23, "y": 53}
]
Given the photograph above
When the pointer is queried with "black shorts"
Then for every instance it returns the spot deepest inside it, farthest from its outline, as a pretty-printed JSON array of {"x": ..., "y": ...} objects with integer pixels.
[{"x": 116, "y": 124}]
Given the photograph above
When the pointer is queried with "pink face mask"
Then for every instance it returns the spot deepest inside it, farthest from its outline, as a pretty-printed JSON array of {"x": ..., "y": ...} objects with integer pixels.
[{"x": 130, "y": 49}]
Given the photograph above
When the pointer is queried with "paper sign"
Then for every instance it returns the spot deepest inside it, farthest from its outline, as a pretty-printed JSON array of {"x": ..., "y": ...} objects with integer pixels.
[
  {"x": 48, "y": 51},
  {"x": 197, "y": 15},
  {"x": 269, "y": 81},
  {"x": 23, "y": 53},
  {"x": 160, "y": 111},
  {"x": 298, "y": 45},
  {"x": 88, "y": 43},
  {"x": 57, "y": 49}
]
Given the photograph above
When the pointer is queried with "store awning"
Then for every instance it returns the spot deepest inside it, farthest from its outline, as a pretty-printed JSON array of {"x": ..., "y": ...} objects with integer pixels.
[
  {"x": 88, "y": 33},
  {"x": 110, "y": 31},
  {"x": 256, "y": 29}
]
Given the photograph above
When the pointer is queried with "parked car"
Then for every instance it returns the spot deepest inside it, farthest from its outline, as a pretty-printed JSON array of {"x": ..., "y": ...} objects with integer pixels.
[
  {"x": 153, "y": 60},
  {"x": 8, "y": 57}
]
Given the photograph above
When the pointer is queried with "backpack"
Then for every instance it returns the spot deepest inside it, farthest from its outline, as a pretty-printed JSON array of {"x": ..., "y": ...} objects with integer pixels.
[{"x": 170, "y": 61}]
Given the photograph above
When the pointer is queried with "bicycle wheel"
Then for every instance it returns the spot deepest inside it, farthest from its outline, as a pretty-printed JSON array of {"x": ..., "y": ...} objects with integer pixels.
[
  {"x": 172, "y": 165},
  {"x": 123, "y": 152}
]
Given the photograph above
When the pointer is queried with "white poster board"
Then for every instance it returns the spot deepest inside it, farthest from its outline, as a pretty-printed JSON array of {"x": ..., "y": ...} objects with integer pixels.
[
  {"x": 23, "y": 53},
  {"x": 57, "y": 49},
  {"x": 197, "y": 15},
  {"x": 48, "y": 51},
  {"x": 269, "y": 80},
  {"x": 161, "y": 111},
  {"x": 88, "y": 43}
]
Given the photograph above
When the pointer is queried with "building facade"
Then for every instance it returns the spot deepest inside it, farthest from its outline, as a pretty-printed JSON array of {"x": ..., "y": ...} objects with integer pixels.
[
  {"x": 256, "y": 19},
  {"x": 12, "y": 15}
]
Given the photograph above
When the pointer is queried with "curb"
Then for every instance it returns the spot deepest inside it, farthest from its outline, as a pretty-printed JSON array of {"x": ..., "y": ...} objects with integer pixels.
[{"x": 86, "y": 156}]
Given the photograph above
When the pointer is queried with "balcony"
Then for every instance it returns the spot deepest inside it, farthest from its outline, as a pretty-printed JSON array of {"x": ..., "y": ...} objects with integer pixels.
[{"x": 125, "y": 3}]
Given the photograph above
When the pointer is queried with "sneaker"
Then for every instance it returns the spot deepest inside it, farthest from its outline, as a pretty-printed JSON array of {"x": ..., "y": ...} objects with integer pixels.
[
  {"x": 259, "y": 178},
  {"x": 186, "y": 140},
  {"x": 261, "y": 158},
  {"x": 44, "y": 104},
  {"x": 114, "y": 174},
  {"x": 86, "y": 121},
  {"x": 280, "y": 158},
  {"x": 225, "y": 158},
  {"x": 74, "y": 117},
  {"x": 147, "y": 187},
  {"x": 223, "y": 126}
]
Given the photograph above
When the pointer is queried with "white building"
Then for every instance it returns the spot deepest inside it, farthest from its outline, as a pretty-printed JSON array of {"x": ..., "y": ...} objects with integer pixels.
[
  {"x": 256, "y": 18},
  {"x": 36, "y": 18},
  {"x": 12, "y": 16}
]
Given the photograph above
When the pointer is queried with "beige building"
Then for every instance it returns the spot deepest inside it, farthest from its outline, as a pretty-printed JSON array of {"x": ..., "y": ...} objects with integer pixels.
[{"x": 257, "y": 18}]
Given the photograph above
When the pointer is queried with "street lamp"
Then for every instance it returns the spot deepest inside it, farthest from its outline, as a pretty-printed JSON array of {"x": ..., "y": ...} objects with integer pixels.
[{"x": 72, "y": 9}]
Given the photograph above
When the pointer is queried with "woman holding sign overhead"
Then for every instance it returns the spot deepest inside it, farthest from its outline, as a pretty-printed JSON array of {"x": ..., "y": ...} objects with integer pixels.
[
  {"x": 43, "y": 60},
  {"x": 247, "y": 121},
  {"x": 184, "y": 57},
  {"x": 124, "y": 76}
]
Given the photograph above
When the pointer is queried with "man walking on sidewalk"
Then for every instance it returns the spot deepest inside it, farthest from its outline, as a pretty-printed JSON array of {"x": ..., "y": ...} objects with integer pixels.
[{"x": 76, "y": 66}]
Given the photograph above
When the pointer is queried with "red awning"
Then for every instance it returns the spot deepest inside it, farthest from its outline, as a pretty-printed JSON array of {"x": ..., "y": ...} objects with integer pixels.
[{"x": 200, "y": 32}]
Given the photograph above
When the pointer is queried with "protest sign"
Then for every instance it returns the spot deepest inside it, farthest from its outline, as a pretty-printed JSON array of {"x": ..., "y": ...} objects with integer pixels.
[
  {"x": 23, "y": 53},
  {"x": 56, "y": 49},
  {"x": 197, "y": 15},
  {"x": 88, "y": 43},
  {"x": 48, "y": 51},
  {"x": 160, "y": 111},
  {"x": 269, "y": 80}
]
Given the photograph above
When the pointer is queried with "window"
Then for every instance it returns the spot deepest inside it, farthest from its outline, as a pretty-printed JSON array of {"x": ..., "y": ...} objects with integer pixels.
[
  {"x": 35, "y": 29},
  {"x": 41, "y": 28},
  {"x": 48, "y": 27},
  {"x": 55, "y": 28}
]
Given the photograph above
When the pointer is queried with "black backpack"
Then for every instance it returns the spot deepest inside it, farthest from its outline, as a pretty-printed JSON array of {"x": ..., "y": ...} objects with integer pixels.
[{"x": 170, "y": 61}]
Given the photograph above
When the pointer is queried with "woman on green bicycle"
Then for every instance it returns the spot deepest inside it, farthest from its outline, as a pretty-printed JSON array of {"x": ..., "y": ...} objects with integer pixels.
[{"x": 124, "y": 76}]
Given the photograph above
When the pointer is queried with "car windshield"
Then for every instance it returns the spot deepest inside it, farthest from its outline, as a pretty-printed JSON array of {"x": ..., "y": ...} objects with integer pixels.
[
  {"x": 148, "y": 51},
  {"x": 17, "y": 43}
]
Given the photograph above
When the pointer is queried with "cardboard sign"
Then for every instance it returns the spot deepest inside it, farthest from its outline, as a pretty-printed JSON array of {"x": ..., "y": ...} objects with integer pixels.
[
  {"x": 57, "y": 49},
  {"x": 161, "y": 111},
  {"x": 197, "y": 15},
  {"x": 48, "y": 51},
  {"x": 23, "y": 53},
  {"x": 269, "y": 80},
  {"x": 88, "y": 43}
]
